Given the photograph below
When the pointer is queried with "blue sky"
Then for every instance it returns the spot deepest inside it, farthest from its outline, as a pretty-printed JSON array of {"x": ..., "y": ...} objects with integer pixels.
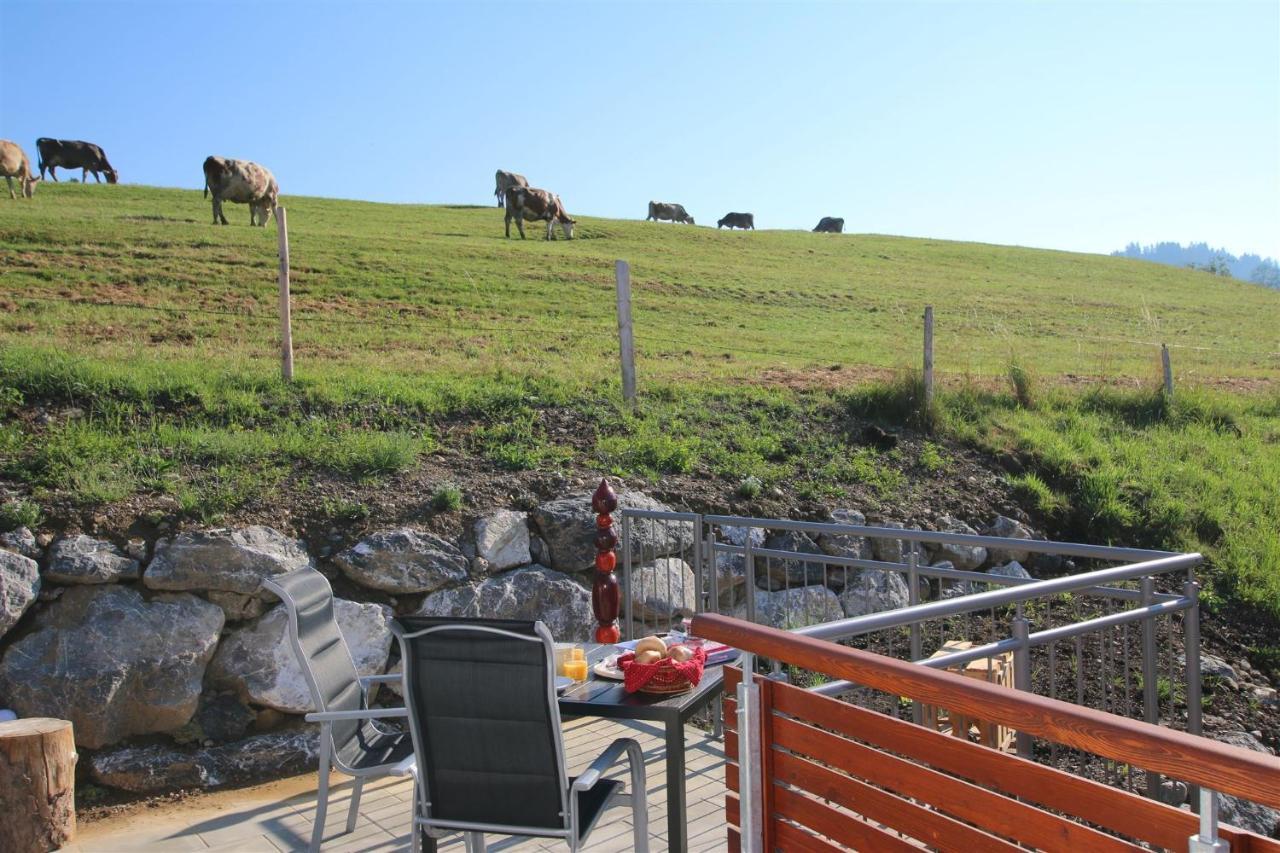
[{"x": 1066, "y": 125}]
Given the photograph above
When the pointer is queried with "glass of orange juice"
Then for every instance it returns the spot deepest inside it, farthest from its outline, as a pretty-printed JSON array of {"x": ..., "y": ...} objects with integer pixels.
[
  {"x": 576, "y": 669},
  {"x": 577, "y": 653}
]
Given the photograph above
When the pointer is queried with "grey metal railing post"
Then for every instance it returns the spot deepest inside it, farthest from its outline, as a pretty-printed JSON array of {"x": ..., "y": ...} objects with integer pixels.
[
  {"x": 627, "y": 630},
  {"x": 696, "y": 542},
  {"x": 1206, "y": 840},
  {"x": 714, "y": 573},
  {"x": 1191, "y": 651},
  {"x": 1020, "y": 630},
  {"x": 1150, "y": 673},
  {"x": 749, "y": 568},
  {"x": 749, "y": 758},
  {"x": 913, "y": 597}
]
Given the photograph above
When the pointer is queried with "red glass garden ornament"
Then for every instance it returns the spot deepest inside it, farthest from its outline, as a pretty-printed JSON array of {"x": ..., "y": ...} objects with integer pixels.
[{"x": 605, "y": 593}]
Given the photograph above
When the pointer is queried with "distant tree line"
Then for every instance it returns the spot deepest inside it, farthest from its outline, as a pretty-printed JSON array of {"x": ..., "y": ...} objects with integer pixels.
[{"x": 1200, "y": 256}]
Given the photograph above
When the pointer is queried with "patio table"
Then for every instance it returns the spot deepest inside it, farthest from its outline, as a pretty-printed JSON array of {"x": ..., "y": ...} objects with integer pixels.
[{"x": 601, "y": 697}]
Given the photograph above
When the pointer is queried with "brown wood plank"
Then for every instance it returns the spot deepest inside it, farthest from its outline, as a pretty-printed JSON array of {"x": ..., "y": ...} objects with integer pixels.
[
  {"x": 1121, "y": 811},
  {"x": 1222, "y": 767},
  {"x": 790, "y": 837},
  {"x": 989, "y": 810},
  {"x": 882, "y": 807},
  {"x": 848, "y": 831}
]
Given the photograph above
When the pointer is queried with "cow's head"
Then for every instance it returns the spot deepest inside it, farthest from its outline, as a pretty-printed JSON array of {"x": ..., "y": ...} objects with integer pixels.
[
  {"x": 112, "y": 175},
  {"x": 689, "y": 219},
  {"x": 566, "y": 225},
  {"x": 29, "y": 185}
]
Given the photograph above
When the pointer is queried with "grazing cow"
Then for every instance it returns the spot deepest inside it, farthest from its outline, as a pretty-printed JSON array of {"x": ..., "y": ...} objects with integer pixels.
[
  {"x": 659, "y": 210},
  {"x": 830, "y": 225},
  {"x": 74, "y": 154},
  {"x": 737, "y": 220},
  {"x": 503, "y": 181},
  {"x": 242, "y": 182},
  {"x": 14, "y": 164},
  {"x": 533, "y": 204}
]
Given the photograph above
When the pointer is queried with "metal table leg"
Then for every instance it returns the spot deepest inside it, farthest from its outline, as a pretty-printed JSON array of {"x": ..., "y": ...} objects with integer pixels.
[{"x": 677, "y": 829}]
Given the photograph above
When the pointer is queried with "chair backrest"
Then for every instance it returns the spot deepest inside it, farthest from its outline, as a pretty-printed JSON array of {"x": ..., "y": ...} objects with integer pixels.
[
  {"x": 485, "y": 723},
  {"x": 320, "y": 648}
]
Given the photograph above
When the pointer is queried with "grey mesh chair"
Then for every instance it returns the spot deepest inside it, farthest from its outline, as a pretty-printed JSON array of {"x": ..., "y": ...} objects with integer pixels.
[
  {"x": 350, "y": 740},
  {"x": 486, "y": 731}
]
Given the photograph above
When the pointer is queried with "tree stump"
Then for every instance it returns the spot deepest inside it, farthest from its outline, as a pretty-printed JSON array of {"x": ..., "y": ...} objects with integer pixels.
[{"x": 37, "y": 785}]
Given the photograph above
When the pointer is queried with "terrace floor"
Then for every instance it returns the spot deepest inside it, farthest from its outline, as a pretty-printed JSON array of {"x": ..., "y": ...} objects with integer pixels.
[{"x": 279, "y": 816}]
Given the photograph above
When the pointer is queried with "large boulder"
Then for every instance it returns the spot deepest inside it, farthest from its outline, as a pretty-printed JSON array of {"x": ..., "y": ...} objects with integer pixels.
[
  {"x": 780, "y": 571},
  {"x": 965, "y": 557},
  {"x": 731, "y": 569},
  {"x": 156, "y": 769},
  {"x": 1239, "y": 812},
  {"x": 83, "y": 559},
  {"x": 846, "y": 544},
  {"x": 19, "y": 587},
  {"x": 872, "y": 591},
  {"x": 1008, "y": 528},
  {"x": 21, "y": 541},
  {"x": 502, "y": 539},
  {"x": 663, "y": 590},
  {"x": 794, "y": 608},
  {"x": 225, "y": 560},
  {"x": 888, "y": 550},
  {"x": 112, "y": 663},
  {"x": 404, "y": 561},
  {"x": 568, "y": 527},
  {"x": 237, "y": 605},
  {"x": 534, "y": 592},
  {"x": 257, "y": 660},
  {"x": 1011, "y": 569}
]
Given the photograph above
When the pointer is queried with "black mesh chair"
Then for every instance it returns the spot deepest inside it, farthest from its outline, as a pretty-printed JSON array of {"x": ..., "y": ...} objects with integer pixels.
[
  {"x": 486, "y": 732},
  {"x": 350, "y": 740}
]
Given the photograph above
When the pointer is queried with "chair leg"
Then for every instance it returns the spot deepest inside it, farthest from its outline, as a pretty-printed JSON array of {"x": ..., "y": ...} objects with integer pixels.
[
  {"x": 474, "y": 842},
  {"x": 354, "y": 811},
  {"x": 322, "y": 793},
  {"x": 639, "y": 798}
]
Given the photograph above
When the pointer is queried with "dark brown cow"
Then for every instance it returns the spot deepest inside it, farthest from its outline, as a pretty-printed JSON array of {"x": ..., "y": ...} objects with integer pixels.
[
  {"x": 502, "y": 181},
  {"x": 74, "y": 154},
  {"x": 737, "y": 220},
  {"x": 830, "y": 225},
  {"x": 534, "y": 204}
]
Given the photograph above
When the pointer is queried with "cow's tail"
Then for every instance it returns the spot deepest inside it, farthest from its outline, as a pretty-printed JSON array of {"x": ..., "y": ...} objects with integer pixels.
[{"x": 206, "y": 187}]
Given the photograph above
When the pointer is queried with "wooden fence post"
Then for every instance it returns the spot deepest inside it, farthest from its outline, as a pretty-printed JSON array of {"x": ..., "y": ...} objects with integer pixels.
[
  {"x": 626, "y": 338},
  {"x": 928, "y": 358},
  {"x": 286, "y": 320},
  {"x": 1168, "y": 370}
]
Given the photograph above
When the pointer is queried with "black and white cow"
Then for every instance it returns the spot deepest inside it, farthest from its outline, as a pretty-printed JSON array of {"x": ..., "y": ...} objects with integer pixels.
[
  {"x": 659, "y": 210},
  {"x": 534, "y": 205}
]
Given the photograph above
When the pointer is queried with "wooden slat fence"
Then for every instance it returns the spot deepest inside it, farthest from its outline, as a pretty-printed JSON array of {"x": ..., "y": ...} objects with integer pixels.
[{"x": 838, "y": 776}]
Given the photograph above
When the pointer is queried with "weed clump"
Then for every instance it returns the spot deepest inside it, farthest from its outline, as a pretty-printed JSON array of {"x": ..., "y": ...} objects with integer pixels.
[
  {"x": 447, "y": 498},
  {"x": 19, "y": 513}
]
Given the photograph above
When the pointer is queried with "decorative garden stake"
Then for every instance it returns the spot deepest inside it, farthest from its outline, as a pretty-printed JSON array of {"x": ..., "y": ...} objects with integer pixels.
[{"x": 604, "y": 590}]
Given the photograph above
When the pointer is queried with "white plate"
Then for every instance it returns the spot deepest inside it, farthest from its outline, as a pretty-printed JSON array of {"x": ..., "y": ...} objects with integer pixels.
[
  {"x": 608, "y": 668},
  {"x": 563, "y": 683}
]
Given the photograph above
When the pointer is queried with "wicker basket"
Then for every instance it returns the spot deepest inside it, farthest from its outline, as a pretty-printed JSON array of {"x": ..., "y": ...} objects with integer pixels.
[{"x": 664, "y": 678}]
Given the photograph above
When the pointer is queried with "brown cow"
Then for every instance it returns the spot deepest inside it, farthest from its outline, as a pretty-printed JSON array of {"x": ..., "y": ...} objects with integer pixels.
[
  {"x": 504, "y": 180},
  {"x": 14, "y": 164},
  {"x": 243, "y": 182},
  {"x": 533, "y": 204}
]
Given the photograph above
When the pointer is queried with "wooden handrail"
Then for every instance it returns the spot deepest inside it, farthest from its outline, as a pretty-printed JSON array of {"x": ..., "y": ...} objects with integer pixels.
[{"x": 1228, "y": 769}]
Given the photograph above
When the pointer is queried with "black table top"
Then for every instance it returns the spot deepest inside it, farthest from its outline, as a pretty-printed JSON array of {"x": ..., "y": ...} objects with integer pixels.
[{"x": 602, "y": 697}]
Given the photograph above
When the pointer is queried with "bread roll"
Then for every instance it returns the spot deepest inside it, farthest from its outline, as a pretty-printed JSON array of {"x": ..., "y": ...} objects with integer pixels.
[
  {"x": 648, "y": 656},
  {"x": 652, "y": 644},
  {"x": 680, "y": 654}
]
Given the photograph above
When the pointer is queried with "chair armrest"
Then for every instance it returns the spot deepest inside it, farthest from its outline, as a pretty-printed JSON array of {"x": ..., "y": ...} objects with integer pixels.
[
  {"x": 384, "y": 678},
  {"x": 589, "y": 777},
  {"x": 365, "y": 714}
]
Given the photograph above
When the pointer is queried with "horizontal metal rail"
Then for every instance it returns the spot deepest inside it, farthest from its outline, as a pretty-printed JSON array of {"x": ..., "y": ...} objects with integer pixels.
[
  {"x": 659, "y": 515},
  {"x": 1038, "y": 546},
  {"x": 854, "y": 626},
  {"x": 1040, "y": 638}
]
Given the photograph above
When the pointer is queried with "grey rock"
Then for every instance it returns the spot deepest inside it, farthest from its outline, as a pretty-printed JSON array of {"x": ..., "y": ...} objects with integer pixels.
[
  {"x": 1008, "y": 528},
  {"x": 157, "y": 769},
  {"x": 83, "y": 559},
  {"x": 846, "y": 544},
  {"x": 1012, "y": 569},
  {"x": 19, "y": 587},
  {"x": 1172, "y": 792},
  {"x": 223, "y": 717},
  {"x": 533, "y": 592},
  {"x": 21, "y": 541},
  {"x": 741, "y": 535},
  {"x": 781, "y": 572},
  {"x": 1049, "y": 564},
  {"x": 569, "y": 528},
  {"x": 225, "y": 560},
  {"x": 965, "y": 557},
  {"x": 404, "y": 561},
  {"x": 237, "y": 606},
  {"x": 873, "y": 591},
  {"x": 1214, "y": 667},
  {"x": 538, "y": 550},
  {"x": 1266, "y": 697},
  {"x": 1239, "y": 812},
  {"x": 663, "y": 590},
  {"x": 892, "y": 550},
  {"x": 257, "y": 661},
  {"x": 137, "y": 549},
  {"x": 503, "y": 539},
  {"x": 731, "y": 577},
  {"x": 112, "y": 663},
  {"x": 795, "y": 607}
]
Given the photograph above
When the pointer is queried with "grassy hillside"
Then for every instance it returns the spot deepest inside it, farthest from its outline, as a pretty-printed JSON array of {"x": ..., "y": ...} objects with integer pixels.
[{"x": 138, "y": 357}]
